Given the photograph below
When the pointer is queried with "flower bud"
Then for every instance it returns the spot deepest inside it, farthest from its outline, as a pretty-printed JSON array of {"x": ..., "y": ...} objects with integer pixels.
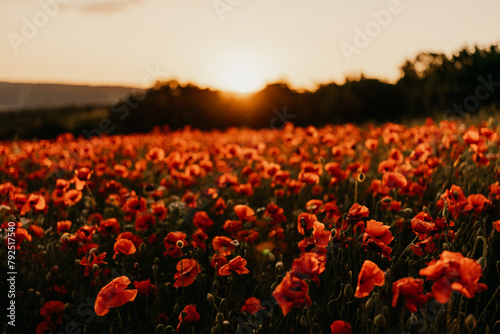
[
  {"x": 369, "y": 304},
  {"x": 482, "y": 262},
  {"x": 279, "y": 267},
  {"x": 470, "y": 322},
  {"x": 156, "y": 260},
  {"x": 177, "y": 308},
  {"x": 142, "y": 247},
  {"x": 379, "y": 320},
  {"x": 348, "y": 292},
  {"x": 210, "y": 298},
  {"x": 95, "y": 267}
]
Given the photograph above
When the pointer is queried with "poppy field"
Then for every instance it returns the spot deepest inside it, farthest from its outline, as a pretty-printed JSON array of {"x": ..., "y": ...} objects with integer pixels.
[{"x": 339, "y": 229}]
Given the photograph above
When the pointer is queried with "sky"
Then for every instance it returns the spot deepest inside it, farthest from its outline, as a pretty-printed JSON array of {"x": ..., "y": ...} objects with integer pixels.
[{"x": 233, "y": 45}]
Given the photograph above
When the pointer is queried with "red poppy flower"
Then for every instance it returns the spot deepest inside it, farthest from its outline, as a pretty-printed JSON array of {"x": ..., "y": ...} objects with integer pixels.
[
  {"x": 72, "y": 196},
  {"x": 292, "y": 293},
  {"x": 378, "y": 231},
  {"x": 45, "y": 327},
  {"x": 145, "y": 287},
  {"x": 96, "y": 259},
  {"x": 369, "y": 276},
  {"x": 218, "y": 261},
  {"x": 236, "y": 265},
  {"x": 144, "y": 222},
  {"x": 53, "y": 311},
  {"x": 187, "y": 270},
  {"x": 34, "y": 202},
  {"x": 63, "y": 226},
  {"x": 37, "y": 231},
  {"x": 496, "y": 225},
  {"x": 223, "y": 245},
  {"x": 245, "y": 213},
  {"x": 308, "y": 265},
  {"x": 156, "y": 154},
  {"x": 199, "y": 238},
  {"x": 124, "y": 246},
  {"x": 340, "y": 327},
  {"x": 477, "y": 203},
  {"x": 220, "y": 206},
  {"x": 305, "y": 221},
  {"x": 82, "y": 175},
  {"x": 394, "y": 180},
  {"x": 252, "y": 306},
  {"x": 109, "y": 226},
  {"x": 356, "y": 213},
  {"x": 453, "y": 272},
  {"x": 423, "y": 224},
  {"x": 114, "y": 295},
  {"x": 412, "y": 290},
  {"x": 188, "y": 316},
  {"x": 202, "y": 221},
  {"x": 172, "y": 245}
]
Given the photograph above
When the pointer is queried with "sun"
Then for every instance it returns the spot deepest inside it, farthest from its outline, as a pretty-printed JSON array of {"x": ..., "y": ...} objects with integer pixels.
[{"x": 242, "y": 78}]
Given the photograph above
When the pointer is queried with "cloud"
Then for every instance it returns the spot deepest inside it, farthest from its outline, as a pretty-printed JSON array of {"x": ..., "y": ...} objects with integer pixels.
[{"x": 106, "y": 6}]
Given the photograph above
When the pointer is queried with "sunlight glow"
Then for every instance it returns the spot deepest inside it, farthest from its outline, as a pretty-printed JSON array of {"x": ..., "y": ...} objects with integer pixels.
[{"x": 240, "y": 75}]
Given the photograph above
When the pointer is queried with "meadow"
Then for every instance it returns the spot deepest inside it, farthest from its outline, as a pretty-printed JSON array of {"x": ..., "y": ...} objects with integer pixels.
[{"x": 334, "y": 229}]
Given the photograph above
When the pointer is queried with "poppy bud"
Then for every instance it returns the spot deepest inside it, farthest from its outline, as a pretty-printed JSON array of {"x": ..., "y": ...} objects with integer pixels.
[
  {"x": 348, "y": 292},
  {"x": 210, "y": 298},
  {"x": 219, "y": 318},
  {"x": 155, "y": 267},
  {"x": 482, "y": 262},
  {"x": 386, "y": 200},
  {"x": 279, "y": 267},
  {"x": 271, "y": 257},
  {"x": 333, "y": 234},
  {"x": 42, "y": 301},
  {"x": 49, "y": 276},
  {"x": 37, "y": 293},
  {"x": 408, "y": 211},
  {"x": 226, "y": 326},
  {"x": 177, "y": 308},
  {"x": 142, "y": 247},
  {"x": 446, "y": 246},
  {"x": 369, "y": 304},
  {"x": 303, "y": 321},
  {"x": 470, "y": 322},
  {"x": 446, "y": 212},
  {"x": 379, "y": 320},
  {"x": 95, "y": 267},
  {"x": 156, "y": 260}
]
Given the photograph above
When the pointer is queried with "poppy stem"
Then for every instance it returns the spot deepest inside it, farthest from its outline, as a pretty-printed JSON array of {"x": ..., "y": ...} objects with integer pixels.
[
  {"x": 487, "y": 305},
  {"x": 407, "y": 247},
  {"x": 120, "y": 319}
]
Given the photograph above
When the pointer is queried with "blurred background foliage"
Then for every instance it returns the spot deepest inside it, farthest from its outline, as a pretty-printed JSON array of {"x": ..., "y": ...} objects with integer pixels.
[{"x": 431, "y": 84}]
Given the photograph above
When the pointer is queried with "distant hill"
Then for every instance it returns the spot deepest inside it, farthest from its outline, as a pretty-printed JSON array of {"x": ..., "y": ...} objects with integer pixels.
[{"x": 22, "y": 96}]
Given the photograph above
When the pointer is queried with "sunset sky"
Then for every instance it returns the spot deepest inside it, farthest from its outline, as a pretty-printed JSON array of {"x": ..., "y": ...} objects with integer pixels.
[{"x": 234, "y": 45}]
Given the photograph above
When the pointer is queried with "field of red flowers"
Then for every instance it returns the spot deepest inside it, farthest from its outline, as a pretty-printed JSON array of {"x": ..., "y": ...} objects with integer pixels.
[{"x": 338, "y": 229}]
